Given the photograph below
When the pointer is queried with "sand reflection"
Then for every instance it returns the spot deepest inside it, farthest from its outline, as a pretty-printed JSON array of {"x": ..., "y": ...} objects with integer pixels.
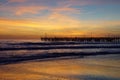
[{"x": 71, "y": 69}]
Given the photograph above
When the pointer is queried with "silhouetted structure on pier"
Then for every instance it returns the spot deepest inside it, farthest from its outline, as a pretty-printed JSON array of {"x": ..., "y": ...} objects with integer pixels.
[{"x": 82, "y": 39}]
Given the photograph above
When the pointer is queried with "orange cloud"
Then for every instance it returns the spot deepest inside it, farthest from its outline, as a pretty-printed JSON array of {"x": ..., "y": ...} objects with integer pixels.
[
  {"x": 57, "y": 24},
  {"x": 52, "y": 24},
  {"x": 64, "y": 9},
  {"x": 18, "y": 1},
  {"x": 36, "y": 9},
  {"x": 29, "y": 9}
]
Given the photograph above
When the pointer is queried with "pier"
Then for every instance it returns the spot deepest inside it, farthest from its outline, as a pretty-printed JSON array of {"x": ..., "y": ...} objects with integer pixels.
[{"x": 83, "y": 39}]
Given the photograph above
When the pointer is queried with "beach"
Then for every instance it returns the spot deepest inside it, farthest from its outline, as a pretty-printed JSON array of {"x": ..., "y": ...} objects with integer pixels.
[{"x": 62, "y": 64}]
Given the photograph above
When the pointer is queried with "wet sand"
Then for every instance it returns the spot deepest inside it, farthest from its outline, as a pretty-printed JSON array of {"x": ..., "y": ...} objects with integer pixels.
[{"x": 102, "y": 67}]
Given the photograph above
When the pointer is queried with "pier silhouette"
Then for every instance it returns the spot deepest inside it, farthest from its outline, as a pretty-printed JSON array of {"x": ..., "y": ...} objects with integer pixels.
[{"x": 83, "y": 39}]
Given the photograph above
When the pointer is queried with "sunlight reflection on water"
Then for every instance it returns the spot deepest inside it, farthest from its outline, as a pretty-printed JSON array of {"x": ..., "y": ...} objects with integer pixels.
[{"x": 90, "y": 68}]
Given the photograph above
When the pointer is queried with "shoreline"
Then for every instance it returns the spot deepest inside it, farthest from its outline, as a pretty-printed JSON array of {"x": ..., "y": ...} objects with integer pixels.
[{"x": 18, "y": 59}]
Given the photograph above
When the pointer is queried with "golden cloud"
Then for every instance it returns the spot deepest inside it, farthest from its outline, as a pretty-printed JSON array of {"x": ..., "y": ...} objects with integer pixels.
[{"x": 57, "y": 24}]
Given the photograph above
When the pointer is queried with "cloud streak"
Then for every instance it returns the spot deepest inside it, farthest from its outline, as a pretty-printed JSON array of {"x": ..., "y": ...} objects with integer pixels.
[
  {"x": 63, "y": 6},
  {"x": 17, "y": 1},
  {"x": 58, "y": 24},
  {"x": 29, "y": 9}
]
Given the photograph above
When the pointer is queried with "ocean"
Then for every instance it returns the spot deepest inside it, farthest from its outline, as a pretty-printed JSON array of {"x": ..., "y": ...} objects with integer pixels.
[{"x": 39, "y": 60}]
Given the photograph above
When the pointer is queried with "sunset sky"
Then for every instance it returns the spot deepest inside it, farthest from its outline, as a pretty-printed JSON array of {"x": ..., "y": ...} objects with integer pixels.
[{"x": 35, "y": 18}]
